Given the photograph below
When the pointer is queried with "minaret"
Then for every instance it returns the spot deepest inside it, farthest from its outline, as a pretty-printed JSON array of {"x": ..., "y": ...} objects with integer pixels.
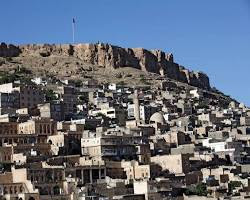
[{"x": 137, "y": 107}]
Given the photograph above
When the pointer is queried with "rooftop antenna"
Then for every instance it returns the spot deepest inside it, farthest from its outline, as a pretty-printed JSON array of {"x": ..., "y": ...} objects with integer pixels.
[{"x": 73, "y": 30}]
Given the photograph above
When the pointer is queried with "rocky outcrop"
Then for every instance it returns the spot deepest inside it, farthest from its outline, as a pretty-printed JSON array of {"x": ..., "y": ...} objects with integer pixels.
[
  {"x": 46, "y": 50},
  {"x": 9, "y": 50},
  {"x": 113, "y": 57},
  {"x": 106, "y": 55}
]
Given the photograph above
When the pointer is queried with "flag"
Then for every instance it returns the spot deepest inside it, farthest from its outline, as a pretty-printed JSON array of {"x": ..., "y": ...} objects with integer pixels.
[{"x": 74, "y": 20}]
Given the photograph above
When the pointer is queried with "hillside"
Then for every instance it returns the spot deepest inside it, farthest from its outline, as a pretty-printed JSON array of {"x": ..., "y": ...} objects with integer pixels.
[
  {"x": 82, "y": 60},
  {"x": 102, "y": 62}
]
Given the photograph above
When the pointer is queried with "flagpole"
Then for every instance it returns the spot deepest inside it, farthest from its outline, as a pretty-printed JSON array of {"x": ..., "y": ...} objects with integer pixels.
[{"x": 73, "y": 30}]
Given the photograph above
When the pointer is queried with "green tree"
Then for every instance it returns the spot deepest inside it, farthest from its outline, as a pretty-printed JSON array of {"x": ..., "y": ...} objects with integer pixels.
[
  {"x": 7, "y": 78},
  {"x": 50, "y": 95},
  {"x": 232, "y": 185},
  {"x": 78, "y": 83},
  {"x": 199, "y": 189}
]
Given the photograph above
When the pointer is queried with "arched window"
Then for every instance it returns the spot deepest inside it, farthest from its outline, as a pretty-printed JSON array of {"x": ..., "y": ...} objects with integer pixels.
[
  {"x": 44, "y": 128},
  {"x": 21, "y": 189},
  {"x": 15, "y": 190},
  {"x": 56, "y": 190},
  {"x": 41, "y": 128},
  {"x": 5, "y": 190},
  {"x": 11, "y": 191},
  {"x": 52, "y": 129},
  {"x": 48, "y": 128}
]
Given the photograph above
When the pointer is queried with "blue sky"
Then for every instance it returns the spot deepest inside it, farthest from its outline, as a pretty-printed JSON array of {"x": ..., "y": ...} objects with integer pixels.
[{"x": 211, "y": 36}]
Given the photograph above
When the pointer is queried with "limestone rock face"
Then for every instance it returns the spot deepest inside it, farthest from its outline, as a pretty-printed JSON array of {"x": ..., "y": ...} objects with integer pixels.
[
  {"x": 46, "y": 49},
  {"x": 201, "y": 80},
  {"x": 147, "y": 61},
  {"x": 113, "y": 57},
  {"x": 106, "y": 55}
]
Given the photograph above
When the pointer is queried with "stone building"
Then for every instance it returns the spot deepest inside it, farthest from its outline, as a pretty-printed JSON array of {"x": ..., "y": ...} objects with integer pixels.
[
  {"x": 8, "y": 128},
  {"x": 68, "y": 96},
  {"x": 53, "y": 110},
  {"x": 40, "y": 126},
  {"x": 115, "y": 144},
  {"x": 8, "y": 155},
  {"x": 29, "y": 96},
  {"x": 9, "y": 102},
  {"x": 177, "y": 164},
  {"x": 130, "y": 170},
  {"x": 15, "y": 185}
]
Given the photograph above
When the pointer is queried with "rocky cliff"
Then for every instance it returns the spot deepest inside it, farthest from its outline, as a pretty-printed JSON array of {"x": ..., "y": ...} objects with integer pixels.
[
  {"x": 113, "y": 57},
  {"x": 9, "y": 50}
]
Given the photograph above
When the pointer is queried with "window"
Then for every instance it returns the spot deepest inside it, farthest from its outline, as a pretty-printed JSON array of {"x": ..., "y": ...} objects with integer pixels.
[
  {"x": 41, "y": 129},
  {"x": 15, "y": 190},
  {"x": 5, "y": 190},
  {"x": 48, "y": 128}
]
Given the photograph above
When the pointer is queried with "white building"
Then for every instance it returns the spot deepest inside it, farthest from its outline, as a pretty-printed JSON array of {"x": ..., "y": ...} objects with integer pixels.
[
  {"x": 39, "y": 81},
  {"x": 195, "y": 93}
]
